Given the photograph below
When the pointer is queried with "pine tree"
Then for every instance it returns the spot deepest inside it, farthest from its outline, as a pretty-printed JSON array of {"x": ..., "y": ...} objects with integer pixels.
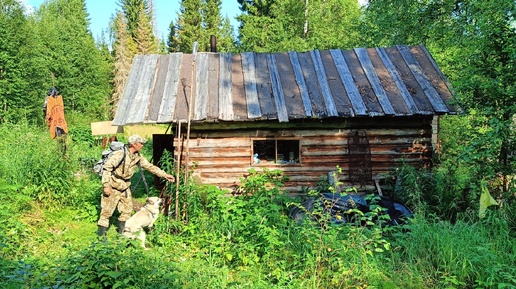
[
  {"x": 197, "y": 21},
  {"x": 268, "y": 26},
  {"x": 125, "y": 49},
  {"x": 145, "y": 39},
  {"x": 72, "y": 61},
  {"x": 131, "y": 10},
  {"x": 189, "y": 25},
  {"x": 13, "y": 85},
  {"x": 217, "y": 26},
  {"x": 139, "y": 16}
]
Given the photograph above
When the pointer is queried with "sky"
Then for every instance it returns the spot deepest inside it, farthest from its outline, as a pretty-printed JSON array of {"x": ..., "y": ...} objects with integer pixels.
[{"x": 100, "y": 12}]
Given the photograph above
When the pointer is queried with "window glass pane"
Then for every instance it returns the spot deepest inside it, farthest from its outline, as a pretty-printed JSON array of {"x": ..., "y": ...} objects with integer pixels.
[
  {"x": 264, "y": 150},
  {"x": 276, "y": 151},
  {"x": 288, "y": 151}
]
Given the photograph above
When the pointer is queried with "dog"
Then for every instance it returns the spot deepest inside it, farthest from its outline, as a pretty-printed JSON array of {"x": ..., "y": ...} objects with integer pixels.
[{"x": 144, "y": 218}]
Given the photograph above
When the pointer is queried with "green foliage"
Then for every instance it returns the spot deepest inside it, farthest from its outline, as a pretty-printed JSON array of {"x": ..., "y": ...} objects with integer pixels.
[
  {"x": 197, "y": 21},
  {"x": 435, "y": 247},
  {"x": 72, "y": 61},
  {"x": 109, "y": 265},
  {"x": 41, "y": 173},
  {"x": 50, "y": 48},
  {"x": 16, "y": 93},
  {"x": 273, "y": 26},
  {"x": 233, "y": 241},
  {"x": 473, "y": 43}
]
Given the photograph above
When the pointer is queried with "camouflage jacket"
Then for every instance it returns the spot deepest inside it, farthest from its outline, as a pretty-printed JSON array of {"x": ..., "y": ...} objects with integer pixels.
[{"x": 120, "y": 178}]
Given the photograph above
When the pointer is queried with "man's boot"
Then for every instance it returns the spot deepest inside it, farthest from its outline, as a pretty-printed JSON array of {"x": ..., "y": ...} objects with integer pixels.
[
  {"x": 121, "y": 227},
  {"x": 102, "y": 232}
]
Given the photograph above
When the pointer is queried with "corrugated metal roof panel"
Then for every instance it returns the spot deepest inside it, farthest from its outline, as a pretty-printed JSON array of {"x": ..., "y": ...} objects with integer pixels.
[{"x": 399, "y": 81}]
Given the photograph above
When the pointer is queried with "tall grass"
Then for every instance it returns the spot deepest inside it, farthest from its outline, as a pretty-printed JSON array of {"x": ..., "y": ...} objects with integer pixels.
[{"x": 48, "y": 240}]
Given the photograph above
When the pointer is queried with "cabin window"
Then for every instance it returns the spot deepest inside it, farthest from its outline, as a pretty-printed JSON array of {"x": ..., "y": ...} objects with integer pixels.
[{"x": 282, "y": 152}]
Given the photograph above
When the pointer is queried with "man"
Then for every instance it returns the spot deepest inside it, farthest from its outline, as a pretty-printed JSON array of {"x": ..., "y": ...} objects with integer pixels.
[{"x": 116, "y": 182}]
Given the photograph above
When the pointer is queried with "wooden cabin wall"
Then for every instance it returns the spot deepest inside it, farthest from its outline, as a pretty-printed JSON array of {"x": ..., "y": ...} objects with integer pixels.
[{"x": 222, "y": 157}]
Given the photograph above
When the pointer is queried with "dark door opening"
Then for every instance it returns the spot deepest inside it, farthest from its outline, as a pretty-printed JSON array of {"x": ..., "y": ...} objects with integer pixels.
[{"x": 161, "y": 142}]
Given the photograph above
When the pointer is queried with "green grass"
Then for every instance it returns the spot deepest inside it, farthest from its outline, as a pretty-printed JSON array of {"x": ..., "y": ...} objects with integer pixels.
[{"x": 48, "y": 237}]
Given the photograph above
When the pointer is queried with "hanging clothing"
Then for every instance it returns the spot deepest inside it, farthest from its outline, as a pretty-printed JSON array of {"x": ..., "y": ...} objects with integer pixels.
[{"x": 54, "y": 114}]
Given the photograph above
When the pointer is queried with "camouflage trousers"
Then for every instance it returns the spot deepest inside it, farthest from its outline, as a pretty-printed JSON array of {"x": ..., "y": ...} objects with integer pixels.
[{"x": 117, "y": 199}]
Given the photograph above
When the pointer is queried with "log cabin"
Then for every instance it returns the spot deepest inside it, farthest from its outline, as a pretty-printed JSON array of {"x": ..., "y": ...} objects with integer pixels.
[{"x": 367, "y": 111}]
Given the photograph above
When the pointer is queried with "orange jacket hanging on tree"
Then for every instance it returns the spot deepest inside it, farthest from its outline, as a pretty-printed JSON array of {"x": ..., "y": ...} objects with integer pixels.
[{"x": 54, "y": 113}]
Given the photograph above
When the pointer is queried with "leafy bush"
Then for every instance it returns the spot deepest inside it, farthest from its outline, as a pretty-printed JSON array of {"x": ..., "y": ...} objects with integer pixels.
[
  {"x": 114, "y": 264},
  {"x": 47, "y": 232}
]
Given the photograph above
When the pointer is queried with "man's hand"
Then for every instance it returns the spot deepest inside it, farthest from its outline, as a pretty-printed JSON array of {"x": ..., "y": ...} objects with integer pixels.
[
  {"x": 170, "y": 178},
  {"x": 107, "y": 191}
]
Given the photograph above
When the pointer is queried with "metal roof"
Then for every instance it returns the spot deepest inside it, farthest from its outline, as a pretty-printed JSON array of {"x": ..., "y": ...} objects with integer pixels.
[{"x": 363, "y": 82}]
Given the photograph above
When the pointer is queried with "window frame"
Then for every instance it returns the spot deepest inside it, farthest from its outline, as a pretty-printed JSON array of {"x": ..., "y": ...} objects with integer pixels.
[{"x": 275, "y": 163}]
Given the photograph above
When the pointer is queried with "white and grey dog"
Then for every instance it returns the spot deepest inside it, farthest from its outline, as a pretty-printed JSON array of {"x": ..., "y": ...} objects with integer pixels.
[{"x": 144, "y": 218}]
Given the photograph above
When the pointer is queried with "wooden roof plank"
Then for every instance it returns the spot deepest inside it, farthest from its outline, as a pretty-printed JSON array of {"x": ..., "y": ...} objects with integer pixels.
[
  {"x": 251, "y": 92},
  {"x": 277, "y": 90},
  {"x": 238, "y": 90},
  {"x": 201, "y": 86},
  {"x": 156, "y": 96},
  {"x": 396, "y": 77},
  {"x": 323, "y": 83},
  {"x": 213, "y": 85},
  {"x": 374, "y": 80},
  {"x": 367, "y": 94},
  {"x": 225, "y": 82},
  {"x": 264, "y": 89},
  {"x": 435, "y": 75},
  {"x": 340, "y": 97},
  {"x": 184, "y": 88},
  {"x": 345, "y": 75},
  {"x": 291, "y": 91},
  {"x": 298, "y": 73},
  {"x": 391, "y": 90},
  {"x": 168, "y": 104},
  {"x": 312, "y": 84},
  {"x": 422, "y": 79},
  {"x": 130, "y": 86},
  {"x": 141, "y": 99}
]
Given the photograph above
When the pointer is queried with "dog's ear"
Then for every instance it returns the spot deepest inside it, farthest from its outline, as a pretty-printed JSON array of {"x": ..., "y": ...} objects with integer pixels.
[{"x": 149, "y": 201}]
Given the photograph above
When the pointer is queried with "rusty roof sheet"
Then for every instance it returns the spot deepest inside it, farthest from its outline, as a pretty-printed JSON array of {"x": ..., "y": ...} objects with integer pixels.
[{"x": 395, "y": 81}]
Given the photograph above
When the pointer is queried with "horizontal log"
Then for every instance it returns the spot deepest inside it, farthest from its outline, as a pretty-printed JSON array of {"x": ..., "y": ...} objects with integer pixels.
[{"x": 267, "y": 132}]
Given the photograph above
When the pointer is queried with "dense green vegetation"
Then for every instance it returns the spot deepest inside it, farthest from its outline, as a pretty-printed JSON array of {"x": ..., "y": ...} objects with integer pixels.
[
  {"x": 50, "y": 203},
  {"x": 50, "y": 199}
]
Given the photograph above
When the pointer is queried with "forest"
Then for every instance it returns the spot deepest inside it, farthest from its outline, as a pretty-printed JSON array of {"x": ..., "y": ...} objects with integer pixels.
[{"x": 50, "y": 198}]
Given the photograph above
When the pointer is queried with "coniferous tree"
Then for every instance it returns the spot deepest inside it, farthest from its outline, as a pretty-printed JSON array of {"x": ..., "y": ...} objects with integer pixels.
[
  {"x": 226, "y": 42},
  {"x": 131, "y": 10},
  {"x": 125, "y": 49},
  {"x": 13, "y": 84},
  {"x": 145, "y": 39},
  {"x": 172, "y": 40},
  {"x": 217, "y": 26},
  {"x": 72, "y": 61},
  {"x": 189, "y": 25},
  {"x": 197, "y": 21},
  {"x": 139, "y": 17},
  {"x": 268, "y": 26}
]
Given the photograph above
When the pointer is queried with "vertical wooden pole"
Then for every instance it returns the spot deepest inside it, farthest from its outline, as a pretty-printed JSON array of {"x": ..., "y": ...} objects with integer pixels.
[
  {"x": 190, "y": 109},
  {"x": 178, "y": 162}
]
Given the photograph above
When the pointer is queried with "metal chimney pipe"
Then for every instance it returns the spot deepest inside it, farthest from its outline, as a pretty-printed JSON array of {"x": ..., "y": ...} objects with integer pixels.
[{"x": 213, "y": 43}]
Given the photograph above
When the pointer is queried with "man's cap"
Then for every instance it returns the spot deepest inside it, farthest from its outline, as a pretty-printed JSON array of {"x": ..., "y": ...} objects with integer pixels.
[{"x": 136, "y": 138}]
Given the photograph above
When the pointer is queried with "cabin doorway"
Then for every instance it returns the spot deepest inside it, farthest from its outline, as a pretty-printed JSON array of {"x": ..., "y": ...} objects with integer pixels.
[{"x": 161, "y": 142}]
